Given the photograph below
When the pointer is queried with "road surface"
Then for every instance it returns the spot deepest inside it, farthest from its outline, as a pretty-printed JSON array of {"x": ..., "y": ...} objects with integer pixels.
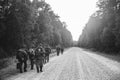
[{"x": 74, "y": 64}]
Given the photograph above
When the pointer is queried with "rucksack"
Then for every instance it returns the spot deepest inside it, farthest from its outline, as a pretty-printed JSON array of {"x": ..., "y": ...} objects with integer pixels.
[{"x": 22, "y": 55}]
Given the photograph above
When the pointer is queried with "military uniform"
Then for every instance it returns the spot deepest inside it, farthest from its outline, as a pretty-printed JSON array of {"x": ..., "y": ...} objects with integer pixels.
[
  {"x": 58, "y": 50},
  {"x": 47, "y": 53},
  {"x": 62, "y": 50},
  {"x": 39, "y": 59},
  {"x": 31, "y": 57},
  {"x": 22, "y": 60}
]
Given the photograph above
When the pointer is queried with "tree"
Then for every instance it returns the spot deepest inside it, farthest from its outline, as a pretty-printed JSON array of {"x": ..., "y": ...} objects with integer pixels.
[
  {"x": 23, "y": 22},
  {"x": 102, "y": 30}
]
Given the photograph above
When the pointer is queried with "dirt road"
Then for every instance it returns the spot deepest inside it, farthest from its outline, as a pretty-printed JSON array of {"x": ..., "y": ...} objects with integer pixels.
[{"x": 75, "y": 64}]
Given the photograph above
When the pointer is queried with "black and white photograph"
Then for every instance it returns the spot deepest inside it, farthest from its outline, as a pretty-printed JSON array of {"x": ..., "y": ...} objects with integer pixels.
[{"x": 59, "y": 39}]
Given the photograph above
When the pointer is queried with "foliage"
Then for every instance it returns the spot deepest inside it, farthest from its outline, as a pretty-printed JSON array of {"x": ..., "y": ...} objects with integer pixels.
[
  {"x": 102, "y": 32},
  {"x": 23, "y": 22}
]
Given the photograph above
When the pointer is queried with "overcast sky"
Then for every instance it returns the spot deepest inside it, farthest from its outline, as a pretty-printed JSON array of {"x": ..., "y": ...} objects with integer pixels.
[{"x": 74, "y": 12}]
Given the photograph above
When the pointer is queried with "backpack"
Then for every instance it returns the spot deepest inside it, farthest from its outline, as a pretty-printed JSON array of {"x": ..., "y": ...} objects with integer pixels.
[
  {"x": 21, "y": 55},
  {"x": 48, "y": 50}
]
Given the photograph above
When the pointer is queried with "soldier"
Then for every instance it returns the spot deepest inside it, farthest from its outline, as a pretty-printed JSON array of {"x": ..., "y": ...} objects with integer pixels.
[
  {"x": 58, "y": 50},
  {"x": 39, "y": 58},
  {"x": 62, "y": 50},
  {"x": 31, "y": 57},
  {"x": 47, "y": 53},
  {"x": 22, "y": 59}
]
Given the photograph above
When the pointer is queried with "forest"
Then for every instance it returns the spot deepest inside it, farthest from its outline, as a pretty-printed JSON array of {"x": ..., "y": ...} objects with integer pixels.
[
  {"x": 102, "y": 31},
  {"x": 26, "y": 22}
]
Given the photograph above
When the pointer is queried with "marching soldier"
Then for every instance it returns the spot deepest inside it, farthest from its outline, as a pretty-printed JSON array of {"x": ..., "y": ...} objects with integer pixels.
[
  {"x": 58, "y": 50},
  {"x": 39, "y": 58},
  {"x": 22, "y": 59},
  {"x": 62, "y": 50},
  {"x": 31, "y": 57},
  {"x": 47, "y": 53}
]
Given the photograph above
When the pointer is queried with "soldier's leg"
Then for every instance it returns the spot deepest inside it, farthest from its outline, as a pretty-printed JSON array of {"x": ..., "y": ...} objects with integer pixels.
[
  {"x": 32, "y": 64},
  {"x": 37, "y": 67},
  {"x": 25, "y": 66},
  {"x": 45, "y": 59},
  {"x": 61, "y": 52},
  {"x": 48, "y": 58},
  {"x": 41, "y": 66},
  {"x": 20, "y": 67},
  {"x": 57, "y": 53}
]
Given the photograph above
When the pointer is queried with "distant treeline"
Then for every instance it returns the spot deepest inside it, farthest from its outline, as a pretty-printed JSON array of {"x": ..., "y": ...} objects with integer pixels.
[
  {"x": 23, "y": 22},
  {"x": 102, "y": 32}
]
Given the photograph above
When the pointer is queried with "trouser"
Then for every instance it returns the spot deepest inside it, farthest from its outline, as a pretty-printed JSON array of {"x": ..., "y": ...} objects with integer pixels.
[
  {"x": 61, "y": 52},
  {"x": 39, "y": 68},
  {"x": 24, "y": 63},
  {"x": 39, "y": 65},
  {"x": 58, "y": 53},
  {"x": 32, "y": 64},
  {"x": 46, "y": 58}
]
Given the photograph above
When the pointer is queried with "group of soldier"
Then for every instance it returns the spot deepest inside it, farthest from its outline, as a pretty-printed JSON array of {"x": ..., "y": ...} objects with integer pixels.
[
  {"x": 59, "y": 50},
  {"x": 37, "y": 56}
]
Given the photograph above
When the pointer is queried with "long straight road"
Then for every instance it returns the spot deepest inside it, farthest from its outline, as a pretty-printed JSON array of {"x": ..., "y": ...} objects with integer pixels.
[{"x": 75, "y": 64}]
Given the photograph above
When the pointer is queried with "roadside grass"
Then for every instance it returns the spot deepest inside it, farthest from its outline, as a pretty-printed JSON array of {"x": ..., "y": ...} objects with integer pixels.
[
  {"x": 6, "y": 62},
  {"x": 112, "y": 56}
]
